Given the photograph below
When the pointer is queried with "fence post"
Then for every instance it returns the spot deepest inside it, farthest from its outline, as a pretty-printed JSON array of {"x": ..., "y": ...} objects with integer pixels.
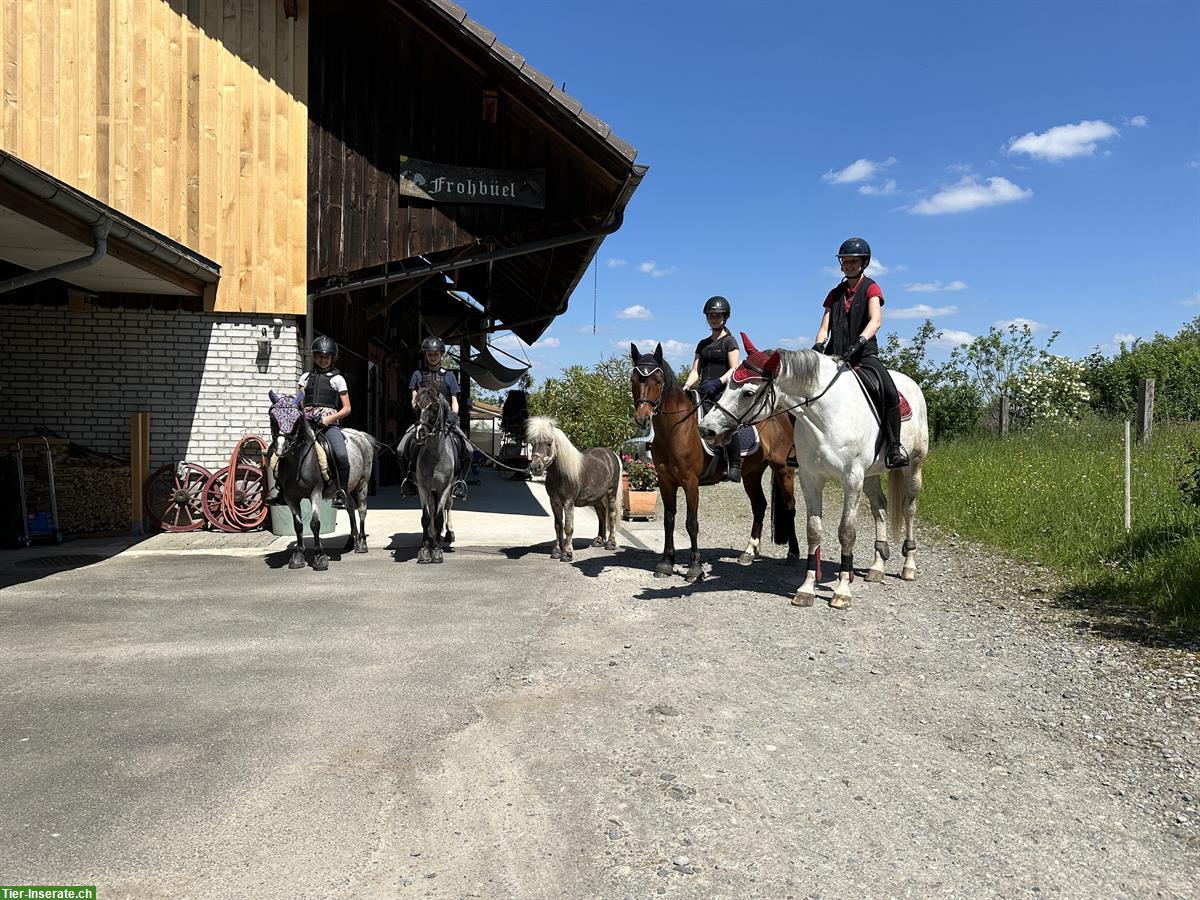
[
  {"x": 1003, "y": 415},
  {"x": 1145, "y": 414},
  {"x": 1127, "y": 486}
]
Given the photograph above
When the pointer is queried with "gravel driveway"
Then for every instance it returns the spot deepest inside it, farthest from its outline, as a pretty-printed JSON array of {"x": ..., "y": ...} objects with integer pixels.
[{"x": 505, "y": 725}]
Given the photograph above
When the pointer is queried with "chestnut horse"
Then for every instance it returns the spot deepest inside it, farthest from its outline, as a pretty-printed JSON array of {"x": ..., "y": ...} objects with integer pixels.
[{"x": 680, "y": 461}]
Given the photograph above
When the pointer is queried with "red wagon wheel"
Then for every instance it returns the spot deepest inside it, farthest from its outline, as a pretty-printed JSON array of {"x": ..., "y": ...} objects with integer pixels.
[
  {"x": 248, "y": 507},
  {"x": 174, "y": 496}
]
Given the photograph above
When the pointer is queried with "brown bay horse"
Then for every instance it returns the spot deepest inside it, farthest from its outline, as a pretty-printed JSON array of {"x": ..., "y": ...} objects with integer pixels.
[{"x": 680, "y": 460}]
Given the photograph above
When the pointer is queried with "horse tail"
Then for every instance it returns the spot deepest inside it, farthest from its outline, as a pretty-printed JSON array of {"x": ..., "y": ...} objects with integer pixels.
[
  {"x": 783, "y": 520},
  {"x": 897, "y": 499}
]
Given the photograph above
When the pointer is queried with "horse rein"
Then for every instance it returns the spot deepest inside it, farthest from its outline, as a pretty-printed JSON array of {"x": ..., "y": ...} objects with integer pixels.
[{"x": 741, "y": 421}]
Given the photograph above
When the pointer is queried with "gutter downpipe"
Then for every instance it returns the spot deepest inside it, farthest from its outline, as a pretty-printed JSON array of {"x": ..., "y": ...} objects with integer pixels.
[{"x": 99, "y": 251}]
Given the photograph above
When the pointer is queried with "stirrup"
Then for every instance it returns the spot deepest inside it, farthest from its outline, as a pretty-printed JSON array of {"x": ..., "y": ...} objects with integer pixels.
[
  {"x": 408, "y": 487},
  {"x": 459, "y": 491},
  {"x": 896, "y": 457},
  {"x": 339, "y": 499}
]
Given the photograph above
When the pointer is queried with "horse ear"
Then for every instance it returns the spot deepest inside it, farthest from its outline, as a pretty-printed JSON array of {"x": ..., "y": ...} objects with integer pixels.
[
  {"x": 633, "y": 352},
  {"x": 658, "y": 353},
  {"x": 748, "y": 344},
  {"x": 773, "y": 364},
  {"x": 274, "y": 397}
]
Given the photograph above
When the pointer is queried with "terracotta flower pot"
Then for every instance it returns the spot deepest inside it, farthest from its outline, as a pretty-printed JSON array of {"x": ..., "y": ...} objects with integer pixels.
[{"x": 639, "y": 503}]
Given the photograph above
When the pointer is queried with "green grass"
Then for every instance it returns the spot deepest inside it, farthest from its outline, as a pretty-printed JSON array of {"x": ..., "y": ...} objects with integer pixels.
[{"x": 1056, "y": 494}]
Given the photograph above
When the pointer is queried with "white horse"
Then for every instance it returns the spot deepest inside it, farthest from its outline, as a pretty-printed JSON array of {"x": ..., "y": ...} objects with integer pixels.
[{"x": 838, "y": 436}]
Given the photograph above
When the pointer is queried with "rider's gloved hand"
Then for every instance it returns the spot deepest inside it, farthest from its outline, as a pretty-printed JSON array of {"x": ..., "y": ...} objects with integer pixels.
[
  {"x": 856, "y": 348},
  {"x": 819, "y": 346}
]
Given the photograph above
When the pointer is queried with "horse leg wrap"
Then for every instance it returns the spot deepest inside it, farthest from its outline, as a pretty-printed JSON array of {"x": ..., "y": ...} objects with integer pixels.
[
  {"x": 909, "y": 547},
  {"x": 881, "y": 547},
  {"x": 848, "y": 564},
  {"x": 814, "y": 563}
]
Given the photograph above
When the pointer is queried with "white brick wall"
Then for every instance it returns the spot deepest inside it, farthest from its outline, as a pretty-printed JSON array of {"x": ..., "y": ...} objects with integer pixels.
[{"x": 200, "y": 375}]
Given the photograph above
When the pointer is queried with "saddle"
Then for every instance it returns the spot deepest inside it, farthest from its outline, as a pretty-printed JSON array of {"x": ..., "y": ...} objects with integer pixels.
[
  {"x": 869, "y": 381},
  {"x": 746, "y": 439}
]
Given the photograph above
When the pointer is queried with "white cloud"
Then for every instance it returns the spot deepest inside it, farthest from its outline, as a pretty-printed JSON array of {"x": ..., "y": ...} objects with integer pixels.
[
  {"x": 950, "y": 338},
  {"x": 1139, "y": 122},
  {"x": 933, "y": 287},
  {"x": 615, "y": 263},
  {"x": 1063, "y": 141},
  {"x": 1019, "y": 322},
  {"x": 546, "y": 342},
  {"x": 676, "y": 352},
  {"x": 797, "y": 342},
  {"x": 969, "y": 194},
  {"x": 1193, "y": 300},
  {"x": 637, "y": 311},
  {"x": 859, "y": 170},
  {"x": 650, "y": 267},
  {"x": 889, "y": 187},
  {"x": 1122, "y": 337},
  {"x": 922, "y": 311}
]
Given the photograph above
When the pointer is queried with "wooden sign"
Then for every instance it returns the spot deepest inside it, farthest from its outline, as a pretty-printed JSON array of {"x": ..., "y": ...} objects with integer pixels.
[{"x": 461, "y": 184}]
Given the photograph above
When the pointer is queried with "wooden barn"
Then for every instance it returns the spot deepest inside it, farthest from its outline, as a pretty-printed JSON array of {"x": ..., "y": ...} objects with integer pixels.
[{"x": 191, "y": 190}]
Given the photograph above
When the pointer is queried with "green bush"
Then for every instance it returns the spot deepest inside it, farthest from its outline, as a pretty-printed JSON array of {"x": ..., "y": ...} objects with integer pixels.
[
  {"x": 592, "y": 405},
  {"x": 1173, "y": 363}
]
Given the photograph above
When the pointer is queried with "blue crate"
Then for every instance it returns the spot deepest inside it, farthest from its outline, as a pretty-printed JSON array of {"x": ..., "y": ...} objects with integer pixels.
[{"x": 40, "y": 522}]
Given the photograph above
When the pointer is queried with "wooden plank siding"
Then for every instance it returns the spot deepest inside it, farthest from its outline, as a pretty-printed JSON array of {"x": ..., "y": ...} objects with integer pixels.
[{"x": 190, "y": 116}]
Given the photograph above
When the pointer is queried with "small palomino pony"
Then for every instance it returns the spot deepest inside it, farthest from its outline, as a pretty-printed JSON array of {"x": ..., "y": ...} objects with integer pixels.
[
  {"x": 838, "y": 437},
  {"x": 680, "y": 461},
  {"x": 436, "y": 465},
  {"x": 298, "y": 472},
  {"x": 575, "y": 478}
]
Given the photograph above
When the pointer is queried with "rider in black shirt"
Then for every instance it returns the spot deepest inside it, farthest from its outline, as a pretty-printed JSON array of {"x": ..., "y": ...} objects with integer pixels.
[{"x": 716, "y": 358}]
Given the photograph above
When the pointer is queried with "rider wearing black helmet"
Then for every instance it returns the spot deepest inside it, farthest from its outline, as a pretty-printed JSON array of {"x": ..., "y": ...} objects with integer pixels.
[
  {"x": 716, "y": 358},
  {"x": 327, "y": 400},
  {"x": 853, "y": 315},
  {"x": 431, "y": 374}
]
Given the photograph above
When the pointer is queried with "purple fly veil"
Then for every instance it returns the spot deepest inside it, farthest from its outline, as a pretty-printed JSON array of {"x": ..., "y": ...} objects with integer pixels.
[{"x": 285, "y": 414}]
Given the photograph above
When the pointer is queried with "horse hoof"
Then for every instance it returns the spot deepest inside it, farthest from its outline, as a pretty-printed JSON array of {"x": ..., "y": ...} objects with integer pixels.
[
  {"x": 694, "y": 574},
  {"x": 840, "y": 601},
  {"x": 610, "y": 545},
  {"x": 745, "y": 559},
  {"x": 438, "y": 558},
  {"x": 321, "y": 564},
  {"x": 361, "y": 547},
  {"x": 803, "y": 599},
  {"x": 873, "y": 576},
  {"x": 296, "y": 564},
  {"x": 568, "y": 557},
  {"x": 909, "y": 573},
  {"x": 556, "y": 553},
  {"x": 664, "y": 569},
  {"x": 597, "y": 543}
]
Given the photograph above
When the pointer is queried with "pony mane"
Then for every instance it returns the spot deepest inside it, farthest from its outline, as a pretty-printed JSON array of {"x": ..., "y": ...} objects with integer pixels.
[
  {"x": 568, "y": 459},
  {"x": 800, "y": 368}
]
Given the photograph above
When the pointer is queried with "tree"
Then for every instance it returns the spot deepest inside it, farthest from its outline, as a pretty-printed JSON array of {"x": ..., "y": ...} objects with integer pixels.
[{"x": 592, "y": 405}]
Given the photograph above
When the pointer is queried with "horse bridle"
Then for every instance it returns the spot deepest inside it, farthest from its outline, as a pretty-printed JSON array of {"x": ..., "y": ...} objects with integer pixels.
[
  {"x": 746, "y": 418},
  {"x": 645, "y": 372},
  {"x": 546, "y": 460},
  {"x": 423, "y": 431}
]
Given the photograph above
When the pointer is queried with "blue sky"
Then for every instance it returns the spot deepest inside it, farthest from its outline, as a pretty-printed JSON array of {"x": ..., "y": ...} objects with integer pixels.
[{"x": 1036, "y": 161}]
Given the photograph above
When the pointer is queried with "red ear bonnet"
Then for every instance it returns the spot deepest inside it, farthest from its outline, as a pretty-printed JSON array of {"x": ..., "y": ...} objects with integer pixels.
[{"x": 758, "y": 364}]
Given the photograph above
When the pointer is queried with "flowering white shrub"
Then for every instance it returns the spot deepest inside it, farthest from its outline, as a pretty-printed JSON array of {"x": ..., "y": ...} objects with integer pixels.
[{"x": 1050, "y": 390}]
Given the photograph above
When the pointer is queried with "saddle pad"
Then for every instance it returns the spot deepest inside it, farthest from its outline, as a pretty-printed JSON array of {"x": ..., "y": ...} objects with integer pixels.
[
  {"x": 875, "y": 392},
  {"x": 746, "y": 439}
]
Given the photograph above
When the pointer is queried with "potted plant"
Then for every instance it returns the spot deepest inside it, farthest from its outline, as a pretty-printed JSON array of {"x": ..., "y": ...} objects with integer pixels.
[{"x": 639, "y": 488}]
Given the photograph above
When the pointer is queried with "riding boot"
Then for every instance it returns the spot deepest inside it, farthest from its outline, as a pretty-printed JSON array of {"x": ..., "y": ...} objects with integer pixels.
[
  {"x": 896, "y": 457},
  {"x": 459, "y": 491},
  {"x": 339, "y": 499},
  {"x": 274, "y": 497},
  {"x": 733, "y": 460},
  {"x": 408, "y": 486}
]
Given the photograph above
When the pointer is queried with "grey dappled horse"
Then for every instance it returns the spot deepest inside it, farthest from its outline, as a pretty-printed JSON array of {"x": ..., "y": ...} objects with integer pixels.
[
  {"x": 298, "y": 474},
  {"x": 436, "y": 467},
  {"x": 575, "y": 478}
]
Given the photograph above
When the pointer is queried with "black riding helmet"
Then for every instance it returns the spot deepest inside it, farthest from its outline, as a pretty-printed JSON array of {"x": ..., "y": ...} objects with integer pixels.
[
  {"x": 855, "y": 246},
  {"x": 717, "y": 304},
  {"x": 325, "y": 344},
  {"x": 433, "y": 344}
]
